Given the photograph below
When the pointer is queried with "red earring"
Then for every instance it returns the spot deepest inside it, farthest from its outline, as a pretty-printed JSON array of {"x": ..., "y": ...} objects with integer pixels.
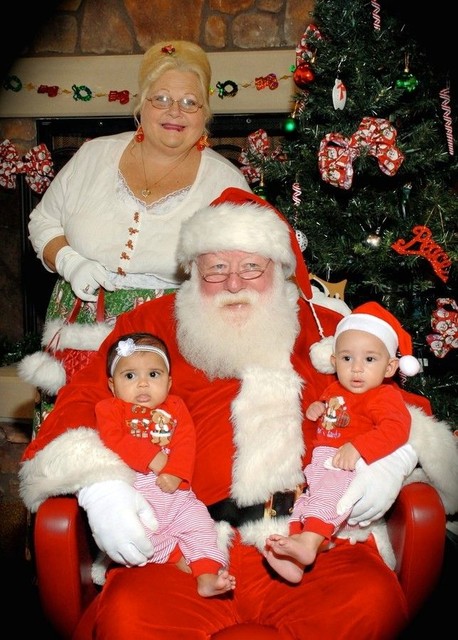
[
  {"x": 202, "y": 142},
  {"x": 139, "y": 135}
]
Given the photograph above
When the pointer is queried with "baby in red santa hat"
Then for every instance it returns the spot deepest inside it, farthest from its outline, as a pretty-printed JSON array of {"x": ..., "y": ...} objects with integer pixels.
[{"x": 360, "y": 417}]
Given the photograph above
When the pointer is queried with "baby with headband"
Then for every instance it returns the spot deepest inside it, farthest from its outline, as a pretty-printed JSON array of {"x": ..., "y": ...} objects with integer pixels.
[{"x": 153, "y": 432}]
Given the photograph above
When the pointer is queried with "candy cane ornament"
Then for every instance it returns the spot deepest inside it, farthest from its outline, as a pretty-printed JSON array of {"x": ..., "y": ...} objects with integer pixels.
[
  {"x": 444, "y": 94},
  {"x": 301, "y": 237},
  {"x": 376, "y": 14}
]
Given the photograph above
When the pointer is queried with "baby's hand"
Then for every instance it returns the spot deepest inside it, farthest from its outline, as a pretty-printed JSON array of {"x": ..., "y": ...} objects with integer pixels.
[
  {"x": 168, "y": 483},
  {"x": 346, "y": 457},
  {"x": 315, "y": 410}
]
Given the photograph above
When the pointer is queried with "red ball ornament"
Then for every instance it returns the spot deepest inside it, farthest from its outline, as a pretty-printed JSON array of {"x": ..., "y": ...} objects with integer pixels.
[{"x": 303, "y": 75}]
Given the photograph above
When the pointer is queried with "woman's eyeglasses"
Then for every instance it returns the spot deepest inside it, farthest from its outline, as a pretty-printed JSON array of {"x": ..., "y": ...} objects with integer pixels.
[{"x": 187, "y": 105}]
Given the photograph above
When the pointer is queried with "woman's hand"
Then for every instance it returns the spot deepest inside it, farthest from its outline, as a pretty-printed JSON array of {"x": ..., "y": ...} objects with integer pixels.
[{"x": 85, "y": 276}]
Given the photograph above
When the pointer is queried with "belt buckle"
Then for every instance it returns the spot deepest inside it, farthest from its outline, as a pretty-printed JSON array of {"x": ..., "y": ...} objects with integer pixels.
[{"x": 270, "y": 512}]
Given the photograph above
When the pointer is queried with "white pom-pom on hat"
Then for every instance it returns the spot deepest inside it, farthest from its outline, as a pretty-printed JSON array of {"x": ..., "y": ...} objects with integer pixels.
[
  {"x": 320, "y": 355},
  {"x": 42, "y": 370},
  {"x": 409, "y": 365}
]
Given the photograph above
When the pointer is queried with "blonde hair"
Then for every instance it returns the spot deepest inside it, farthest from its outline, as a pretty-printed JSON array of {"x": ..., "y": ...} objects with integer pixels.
[{"x": 183, "y": 56}]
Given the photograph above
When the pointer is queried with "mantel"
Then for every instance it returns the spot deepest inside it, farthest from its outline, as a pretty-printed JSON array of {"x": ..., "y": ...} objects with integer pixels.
[{"x": 103, "y": 74}]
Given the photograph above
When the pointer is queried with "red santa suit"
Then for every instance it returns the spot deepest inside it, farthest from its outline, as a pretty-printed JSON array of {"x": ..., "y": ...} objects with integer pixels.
[{"x": 252, "y": 443}]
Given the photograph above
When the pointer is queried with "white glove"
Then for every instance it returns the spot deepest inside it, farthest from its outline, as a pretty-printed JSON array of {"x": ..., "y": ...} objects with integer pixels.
[
  {"x": 85, "y": 276},
  {"x": 118, "y": 515},
  {"x": 376, "y": 486}
]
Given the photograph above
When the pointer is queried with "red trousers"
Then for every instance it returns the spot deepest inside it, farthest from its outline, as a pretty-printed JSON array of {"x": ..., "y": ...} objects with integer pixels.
[{"x": 348, "y": 593}]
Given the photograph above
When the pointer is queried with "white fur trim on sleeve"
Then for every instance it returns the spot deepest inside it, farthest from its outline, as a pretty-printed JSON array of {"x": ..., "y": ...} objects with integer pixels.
[
  {"x": 75, "y": 459},
  {"x": 437, "y": 451}
]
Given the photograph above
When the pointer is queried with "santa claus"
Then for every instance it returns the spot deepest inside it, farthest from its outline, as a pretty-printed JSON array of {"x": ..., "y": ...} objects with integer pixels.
[{"x": 239, "y": 333}]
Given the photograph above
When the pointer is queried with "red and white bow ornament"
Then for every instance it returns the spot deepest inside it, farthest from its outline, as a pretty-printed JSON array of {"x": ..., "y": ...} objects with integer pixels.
[
  {"x": 37, "y": 166},
  {"x": 375, "y": 136},
  {"x": 259, "y": 147},
  {"x": 444, "y": 322}
]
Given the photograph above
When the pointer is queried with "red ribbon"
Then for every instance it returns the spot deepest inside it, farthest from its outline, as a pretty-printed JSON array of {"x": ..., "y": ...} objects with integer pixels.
[
  {"x": 37, "y": 166},
  {"x": 375, "y": 136},
  {"x": 122, "y": 96}
]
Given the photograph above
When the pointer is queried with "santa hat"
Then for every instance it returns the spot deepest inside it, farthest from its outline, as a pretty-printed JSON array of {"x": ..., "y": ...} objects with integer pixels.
[
  {"x": 239, "y": 220},
  {"x": 374, "y": 319}
]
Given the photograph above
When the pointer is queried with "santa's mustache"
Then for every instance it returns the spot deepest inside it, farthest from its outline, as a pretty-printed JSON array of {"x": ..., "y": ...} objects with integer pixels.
[{"x": 226, "y": 298}]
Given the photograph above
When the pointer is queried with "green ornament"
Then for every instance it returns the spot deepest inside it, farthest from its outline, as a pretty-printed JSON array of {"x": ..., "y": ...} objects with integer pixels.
[
  {"x": 260, "y": 191},
  {"x": 407, "y": 81},
  {"x": 290, "y": 125}
]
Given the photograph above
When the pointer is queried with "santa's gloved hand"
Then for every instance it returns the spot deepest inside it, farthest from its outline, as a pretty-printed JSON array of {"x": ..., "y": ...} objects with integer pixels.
[
  {"x": 118, "y": 515},
  {"x": 376, "y": 486},
  {"x": 85, "y": 276}
]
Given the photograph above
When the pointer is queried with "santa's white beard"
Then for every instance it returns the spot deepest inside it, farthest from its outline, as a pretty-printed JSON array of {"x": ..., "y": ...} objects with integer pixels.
[{"x": 220, "y": 338}]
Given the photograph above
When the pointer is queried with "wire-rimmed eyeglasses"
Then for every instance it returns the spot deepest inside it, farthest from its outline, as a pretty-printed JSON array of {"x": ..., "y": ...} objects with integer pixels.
[
  {"x": 186, "y": 104},
  {"x": 246, "y": 274}
]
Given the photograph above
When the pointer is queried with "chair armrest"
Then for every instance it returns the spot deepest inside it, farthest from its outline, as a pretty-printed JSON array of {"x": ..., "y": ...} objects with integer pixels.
[
  {"x": 416, "y": 527},
  {"x": 63, "y": 561}
]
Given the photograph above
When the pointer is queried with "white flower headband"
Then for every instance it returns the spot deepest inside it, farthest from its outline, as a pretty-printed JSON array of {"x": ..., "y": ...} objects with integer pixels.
[{"x": 127, "y": 347}]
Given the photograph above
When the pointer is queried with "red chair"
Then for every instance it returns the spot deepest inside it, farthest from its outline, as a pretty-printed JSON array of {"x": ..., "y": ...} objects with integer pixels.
[{"x": 64, "y": 555}]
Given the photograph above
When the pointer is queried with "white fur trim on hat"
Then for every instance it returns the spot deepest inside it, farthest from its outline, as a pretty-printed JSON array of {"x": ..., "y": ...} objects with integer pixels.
[
  {"x": 370, "y": 324},
  {"x": 236, "y": 227},
  {"x": 42, "y": 369}
]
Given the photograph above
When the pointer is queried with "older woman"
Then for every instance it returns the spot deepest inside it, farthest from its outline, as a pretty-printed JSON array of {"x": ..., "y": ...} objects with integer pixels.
[{"x": 111, "y": 217}]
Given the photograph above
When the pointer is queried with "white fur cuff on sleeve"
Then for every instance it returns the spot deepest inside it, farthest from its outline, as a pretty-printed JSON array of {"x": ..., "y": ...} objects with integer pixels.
[{"x": 75, "y": 459}]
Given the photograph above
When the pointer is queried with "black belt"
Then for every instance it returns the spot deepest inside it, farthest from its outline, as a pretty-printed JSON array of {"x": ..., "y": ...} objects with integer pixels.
[{"x": 279, "y": 504}]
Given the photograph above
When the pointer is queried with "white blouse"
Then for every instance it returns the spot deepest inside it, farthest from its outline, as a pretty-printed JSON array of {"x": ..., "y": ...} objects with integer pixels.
[{"x": 89, "y": 202}]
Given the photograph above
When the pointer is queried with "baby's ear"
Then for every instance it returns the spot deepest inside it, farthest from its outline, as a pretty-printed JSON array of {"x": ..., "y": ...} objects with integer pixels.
[{"x": 392, "y": 367}]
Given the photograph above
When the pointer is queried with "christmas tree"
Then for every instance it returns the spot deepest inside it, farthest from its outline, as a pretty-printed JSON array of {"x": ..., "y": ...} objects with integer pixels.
[{"x": 367, "y": 175}]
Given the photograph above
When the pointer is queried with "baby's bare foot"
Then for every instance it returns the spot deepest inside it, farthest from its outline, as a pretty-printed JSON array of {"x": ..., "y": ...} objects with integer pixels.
[
  {"x": 209, "y": 584},
  {"x": 288, "y": 556}
]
